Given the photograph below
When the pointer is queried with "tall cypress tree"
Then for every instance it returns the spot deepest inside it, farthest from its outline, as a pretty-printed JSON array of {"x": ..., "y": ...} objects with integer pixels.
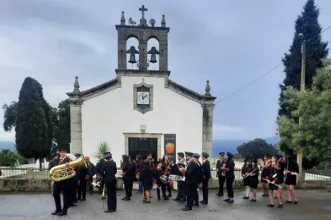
[
  {"x": 32, "y": 130},
  {"x": 63, "y": 131},
  {"x": 306, "y": 24}
]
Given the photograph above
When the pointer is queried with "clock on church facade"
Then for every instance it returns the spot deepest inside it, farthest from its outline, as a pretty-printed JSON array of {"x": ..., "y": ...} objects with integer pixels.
[{"x": 141, "y": 110}]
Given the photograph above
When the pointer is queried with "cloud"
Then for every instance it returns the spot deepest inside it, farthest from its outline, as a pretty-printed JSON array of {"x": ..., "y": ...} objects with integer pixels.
[{"x": 226, "y": 132}]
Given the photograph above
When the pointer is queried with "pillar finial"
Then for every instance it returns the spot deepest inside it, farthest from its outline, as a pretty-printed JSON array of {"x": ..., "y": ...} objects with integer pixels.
[
  {"x": 122, "y": 18},
  {"x": 76, "y": 86},
  {"x": 163, "y": 22},
  {"x": 207, "y": 89}
]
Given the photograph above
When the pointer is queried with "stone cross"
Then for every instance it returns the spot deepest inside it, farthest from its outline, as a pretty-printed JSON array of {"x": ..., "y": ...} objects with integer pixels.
[{"x": 143, "y": 9}]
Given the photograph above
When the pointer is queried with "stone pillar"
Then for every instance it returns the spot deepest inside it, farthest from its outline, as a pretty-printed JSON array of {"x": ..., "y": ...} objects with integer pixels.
[
  {"x": 143, "y": 55},
  {"x": 207, "y": 126},
  {"x": 76, "y": 127}
]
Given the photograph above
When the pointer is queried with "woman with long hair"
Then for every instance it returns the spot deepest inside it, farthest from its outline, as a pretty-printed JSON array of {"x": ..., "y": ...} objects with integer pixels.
[
  {"x": 147, "y": 178},
  {"x": 128, "y": 173},
  {"x": 291, "y": 178},
  {"x": 254, "y": 179},
  {"x": 273, "y": 179},
  {"x": 167, "y": 169}
]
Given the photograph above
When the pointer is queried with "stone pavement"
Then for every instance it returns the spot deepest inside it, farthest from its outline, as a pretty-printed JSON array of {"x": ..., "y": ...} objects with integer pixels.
[{"x": 313, "y": 204}]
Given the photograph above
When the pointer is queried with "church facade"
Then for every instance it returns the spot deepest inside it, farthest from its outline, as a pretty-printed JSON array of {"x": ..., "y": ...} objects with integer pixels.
[{"x": 141, "y": 111}]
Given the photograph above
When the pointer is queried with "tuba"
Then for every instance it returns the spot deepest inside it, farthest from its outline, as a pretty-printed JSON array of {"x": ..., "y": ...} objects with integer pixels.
[{"x": 62, "y": 172}]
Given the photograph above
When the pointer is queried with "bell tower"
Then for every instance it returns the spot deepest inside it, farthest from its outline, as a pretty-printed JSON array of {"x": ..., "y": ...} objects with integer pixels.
[{"x": 142, "y": 57}]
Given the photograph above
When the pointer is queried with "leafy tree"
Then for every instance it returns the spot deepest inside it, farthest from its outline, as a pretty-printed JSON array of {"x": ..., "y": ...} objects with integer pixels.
[
  {"x": 9, "y": 158},
  {"x": 313, "y": 106},
  {"x": 9, "y": 116},
  {"x": 63, "y": 127},
  {"x": 256, "y": 149},
  {"x": 307, "y": 24},
  {"x": 102, "y": 148},
  {"x": 32, "y": 121}
]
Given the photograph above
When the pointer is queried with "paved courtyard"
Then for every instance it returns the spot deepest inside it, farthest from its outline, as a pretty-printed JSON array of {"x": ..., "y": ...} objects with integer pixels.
[{"x": 313, "y": 204}]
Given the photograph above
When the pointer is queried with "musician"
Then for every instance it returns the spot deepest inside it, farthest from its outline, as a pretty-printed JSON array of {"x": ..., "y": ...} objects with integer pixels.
[
  {"x": 245, "y": 170},
  {"x": 128, "y": 173},
  {"x": 180, "y": 164},
  {"x": 63, "y": 186},
  {"x": 281, "y": 169},
  {"x": 273, "y": 180},
  {"x": 147, "y": 178},
  {"x": 192, "y": 177},
  {"x": 151, "y": 161},
  {"x": 254, "y": 178},
  {"x": 229, "y": 176},
  {"x": 220, "y": 175},
  {"x": 74, "y": 184},
  {"x": 83, "y": 176},
  {"x": 91, "y": 173},
  {"x": 139, "y": 164},
  {"x": 160, "y": 185},
  {"x": 205, "y": 177},
  {"x": 167, "y": 169},
  {"x": 263, "y": 176},
  {"x": 291, "y": 178},
  {"x": 108, "y": 172},
  {"x": 99, "y": 172},
  {"x": 196, "y": 157}
]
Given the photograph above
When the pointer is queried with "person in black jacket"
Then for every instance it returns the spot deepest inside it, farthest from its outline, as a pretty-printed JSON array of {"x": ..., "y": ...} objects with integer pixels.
[
  {"x": 273, "y": 180},
  {"x": 254, "y": 179},
  {"x": 108, "y": 172},
  {"x": 192, "y": 177},
  {"x": 64, "y": 186},
  {"x": 220, "y": 173},
  {"x": 128, "y": 173},
  {"x": 292, "y": 169},
  {"x": 91, "y": 173},
  {"x": 160, "y": 185},
  {"x": 205, "y": 177},
  {"x": 229, "y": 175},
  {"x": 147, "y": 178},
  {"x": 99, "y": 171},
  {"x": 82, "y": 178}
]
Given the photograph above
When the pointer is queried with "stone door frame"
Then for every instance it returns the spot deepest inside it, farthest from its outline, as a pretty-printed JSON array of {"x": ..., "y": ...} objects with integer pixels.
[{"x": 158, "y": 136}]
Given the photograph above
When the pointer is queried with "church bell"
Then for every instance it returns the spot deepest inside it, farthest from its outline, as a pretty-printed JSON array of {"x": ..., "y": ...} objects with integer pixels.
[
  {"x": 132, "y": 51},
  {"x": 132, "y": 58},
  {"x": 153, "y": 51}
]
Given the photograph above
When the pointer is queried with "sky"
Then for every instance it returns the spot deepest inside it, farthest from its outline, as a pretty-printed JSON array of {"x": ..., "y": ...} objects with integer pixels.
[{"x": 230, "y": 43}]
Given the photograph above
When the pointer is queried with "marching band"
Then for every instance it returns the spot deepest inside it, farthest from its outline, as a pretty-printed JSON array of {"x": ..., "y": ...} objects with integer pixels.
[{"x": 73, "y": 174}]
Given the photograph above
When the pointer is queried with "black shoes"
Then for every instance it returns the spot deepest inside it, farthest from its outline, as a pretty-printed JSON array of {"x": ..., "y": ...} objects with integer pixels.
[
  {"x": 110, "y": 211},
  {"x": 186, "y": 209},
  {"x": 245, "y": 197},
  {"x": 62, "y": 213},
  {"x": 56, "y": 212},
  {"x": 126, "y": 198},
  {"x": 203, "y": 202}
]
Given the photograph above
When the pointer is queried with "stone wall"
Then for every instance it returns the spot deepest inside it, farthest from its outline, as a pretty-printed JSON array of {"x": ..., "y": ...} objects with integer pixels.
[{"x": 15, "y": 185}]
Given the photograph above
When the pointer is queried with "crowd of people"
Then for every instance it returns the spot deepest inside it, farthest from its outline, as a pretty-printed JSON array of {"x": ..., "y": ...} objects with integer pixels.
[{"x": 275, "y": 171}]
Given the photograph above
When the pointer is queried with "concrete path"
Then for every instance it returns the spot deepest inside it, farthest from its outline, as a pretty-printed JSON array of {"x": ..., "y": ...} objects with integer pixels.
[{"x": 313, "y": 204}]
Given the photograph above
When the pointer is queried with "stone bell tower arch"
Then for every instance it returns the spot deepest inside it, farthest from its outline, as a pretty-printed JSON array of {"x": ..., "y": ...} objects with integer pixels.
[{"x": 142, "y": 32}]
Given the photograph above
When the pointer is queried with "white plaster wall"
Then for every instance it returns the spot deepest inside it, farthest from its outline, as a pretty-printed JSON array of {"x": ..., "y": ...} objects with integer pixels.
[{"x": 106, "y": 117}]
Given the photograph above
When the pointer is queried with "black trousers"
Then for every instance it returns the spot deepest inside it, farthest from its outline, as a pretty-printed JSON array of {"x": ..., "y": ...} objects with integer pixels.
[
  {"x": 81, "y": 189},
  {"x": 111, "y": 196},
  {"x": 205, "y": 189},
  {"x": 168, "y": 187},
  {"x": 161, "y": 187},
  {"x": 180, "y": 193},
  {"x": 221, "y": 180},
  {"x": 191, "y": 194},
  {"x": 64, "y": 187},
  {"x": 101, "y": 187},
  {"x": 128, "y": 185},
  {"x": 73, "y": 190},
  {"x": 229, "y": 186}
]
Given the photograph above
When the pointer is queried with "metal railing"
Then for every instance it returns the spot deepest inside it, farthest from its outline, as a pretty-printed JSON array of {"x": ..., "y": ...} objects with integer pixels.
[
  {"x": 317, "y": 175},
  {"x": 24, "y": 173}
]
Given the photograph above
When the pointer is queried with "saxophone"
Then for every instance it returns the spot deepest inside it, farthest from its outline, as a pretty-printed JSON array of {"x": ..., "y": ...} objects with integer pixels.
[{"x": 62, "y": 172}]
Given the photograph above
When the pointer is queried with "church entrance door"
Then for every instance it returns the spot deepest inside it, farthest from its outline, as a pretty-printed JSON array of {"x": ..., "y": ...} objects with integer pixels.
[{"x": 142, "y": 146}]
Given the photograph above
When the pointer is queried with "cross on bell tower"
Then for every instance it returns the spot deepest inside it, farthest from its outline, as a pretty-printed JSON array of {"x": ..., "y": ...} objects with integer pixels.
[
  {"x": 143, "y": 20},
  {"x": 143, "y": 33}
]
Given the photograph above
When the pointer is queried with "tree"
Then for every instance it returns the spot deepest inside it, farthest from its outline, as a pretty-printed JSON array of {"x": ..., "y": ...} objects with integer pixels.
[
  {"x": 313, "y": 106},
  {"x": 256, "y": 149},
  {"x": 32, "y": 121},
  {"x": 9, "y": 158},
  {"x": 9, "y": 116},
  {"x": 306, "y": 24},
  {"x": 62, "y": 133}
]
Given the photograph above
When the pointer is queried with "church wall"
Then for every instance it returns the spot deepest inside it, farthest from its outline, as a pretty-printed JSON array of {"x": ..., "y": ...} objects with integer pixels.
[{"x": 108, "y": 116}]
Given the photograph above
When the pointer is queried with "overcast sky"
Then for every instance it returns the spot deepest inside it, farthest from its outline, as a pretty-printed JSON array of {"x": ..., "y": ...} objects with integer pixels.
[{"x": 231, "y": 43}]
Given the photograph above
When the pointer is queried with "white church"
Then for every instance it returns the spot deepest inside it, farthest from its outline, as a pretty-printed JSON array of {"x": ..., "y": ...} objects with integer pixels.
[{"x": 141, "y": 111}]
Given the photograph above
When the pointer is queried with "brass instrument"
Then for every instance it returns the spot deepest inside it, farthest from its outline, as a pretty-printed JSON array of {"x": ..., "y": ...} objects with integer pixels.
[{"x": 63, "y": 172}]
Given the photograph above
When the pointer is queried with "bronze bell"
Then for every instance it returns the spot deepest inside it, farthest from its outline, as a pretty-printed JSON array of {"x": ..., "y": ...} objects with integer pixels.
[
  {"x": 132, "y": 58},
  {"x": 153, "y": 58}
]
